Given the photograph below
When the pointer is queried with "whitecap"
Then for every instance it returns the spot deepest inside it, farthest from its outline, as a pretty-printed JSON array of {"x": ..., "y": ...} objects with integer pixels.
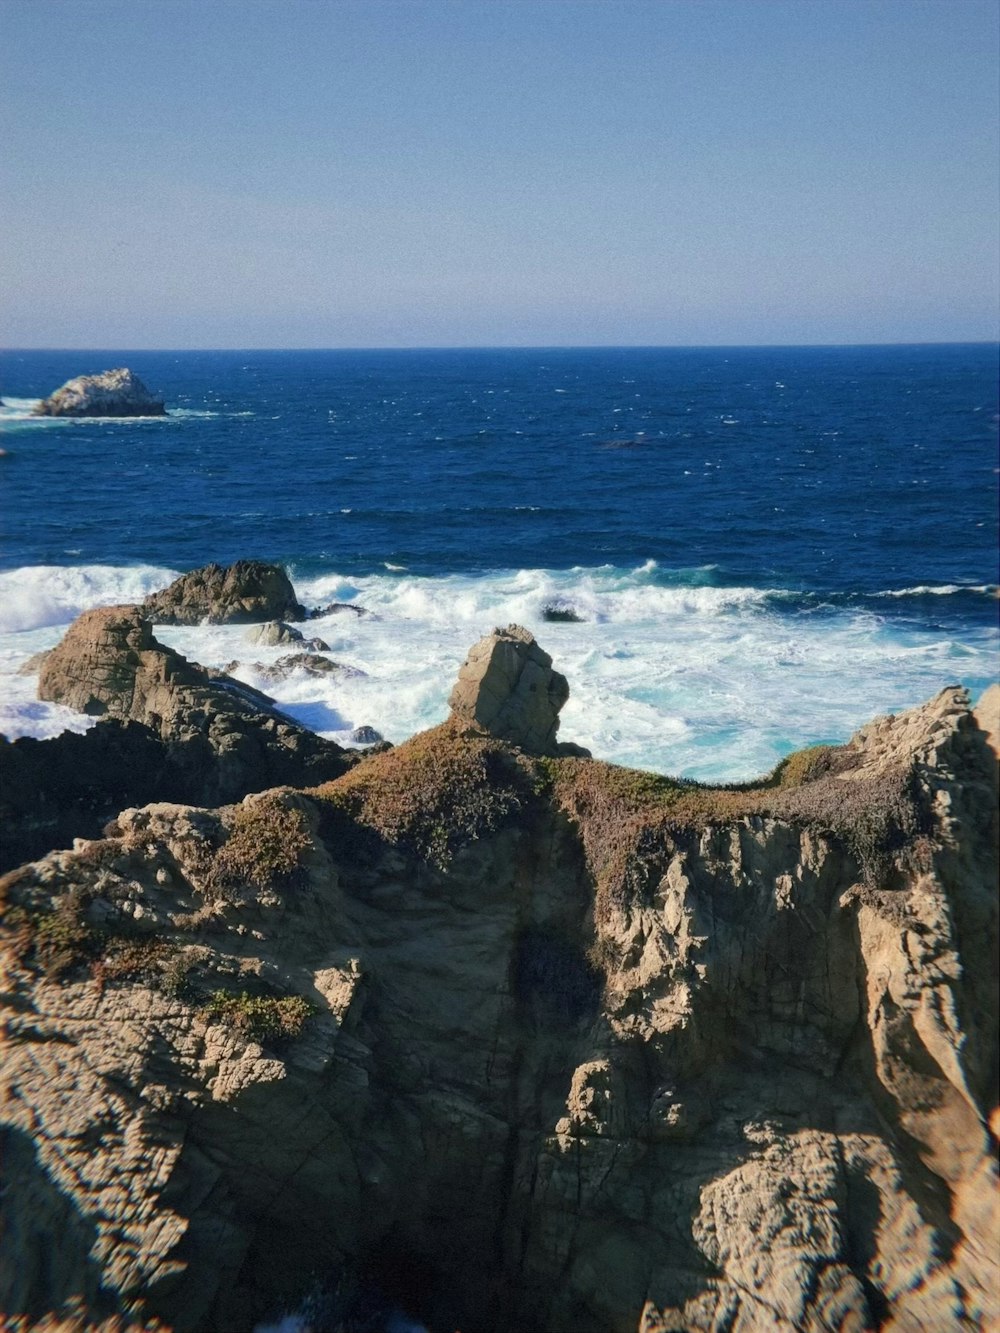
[{"x": 41, "y": 595}]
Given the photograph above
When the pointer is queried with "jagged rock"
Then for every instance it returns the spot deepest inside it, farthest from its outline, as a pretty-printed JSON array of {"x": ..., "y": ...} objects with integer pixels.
[
  {"x": 589, "y": 1050},
  {"x": 366, "y": 736},
  {"x": 311, "y": 663},
  {"x": 558, "y": 613},
  {"x": 247, "y": 592},
  {"x": 223, "y": 734},
  {"x": 113, "y": 393},
  {"x": 507, "y": 686}
]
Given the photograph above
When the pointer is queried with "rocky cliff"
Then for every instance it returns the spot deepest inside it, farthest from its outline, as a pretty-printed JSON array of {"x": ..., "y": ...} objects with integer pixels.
[
  {"x": 529, "y": 1043},
  {"x": 168, "y": 729}
]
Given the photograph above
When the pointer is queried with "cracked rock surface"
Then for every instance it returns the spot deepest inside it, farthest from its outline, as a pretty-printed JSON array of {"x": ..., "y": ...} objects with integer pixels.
[{"x": 721, "y": 1070}]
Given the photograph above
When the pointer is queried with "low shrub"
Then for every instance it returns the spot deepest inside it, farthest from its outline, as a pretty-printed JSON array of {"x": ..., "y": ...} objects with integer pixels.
[
  {"x": 264, "y": 1018},
  {"x": 263, "y": 849},
  {"x": 436, "y": 793}
]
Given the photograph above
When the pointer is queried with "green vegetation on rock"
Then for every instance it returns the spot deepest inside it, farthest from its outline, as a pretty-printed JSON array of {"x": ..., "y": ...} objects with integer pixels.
[
  {"x": 264, "y": 1018},
  {"x": 264, "y": 848},
  {"x": 436, "y": 793}
]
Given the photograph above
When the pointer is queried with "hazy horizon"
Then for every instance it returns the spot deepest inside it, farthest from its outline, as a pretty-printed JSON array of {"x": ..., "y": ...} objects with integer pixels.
[{"x": 258, "y": 175}]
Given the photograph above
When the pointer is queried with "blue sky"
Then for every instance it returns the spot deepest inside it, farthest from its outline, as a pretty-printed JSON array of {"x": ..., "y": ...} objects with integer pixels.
[{"x": 363, "y": 173}]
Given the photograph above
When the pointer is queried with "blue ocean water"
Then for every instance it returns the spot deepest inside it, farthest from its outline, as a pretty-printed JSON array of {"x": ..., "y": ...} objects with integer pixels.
[{"x": 766, "y": 545}]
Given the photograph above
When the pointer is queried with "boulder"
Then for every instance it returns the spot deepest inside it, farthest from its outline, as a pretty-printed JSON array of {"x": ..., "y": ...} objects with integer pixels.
[
  {"x": 366, "y": 736},
  {"x": 507, "y": 687},
  {"x": 247, "y": 592},
  {"x": 223, "y": 736},
  {"x": 272, "y": 634},
  {"x": 113, "y": 393}
]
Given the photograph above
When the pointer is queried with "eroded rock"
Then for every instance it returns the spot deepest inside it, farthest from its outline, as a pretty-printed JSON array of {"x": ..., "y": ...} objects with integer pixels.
[
  {"x": 223, "y": 734},
  {"x": 588, "y": 1050},
  {"x": 113, "y": 393},
  {"x": 246, "y": 592},
  {"x": 507, "y": 686}
]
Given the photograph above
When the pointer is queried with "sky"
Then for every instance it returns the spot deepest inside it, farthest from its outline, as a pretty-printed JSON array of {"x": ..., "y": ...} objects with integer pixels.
[{"x": 406, "y": 173}]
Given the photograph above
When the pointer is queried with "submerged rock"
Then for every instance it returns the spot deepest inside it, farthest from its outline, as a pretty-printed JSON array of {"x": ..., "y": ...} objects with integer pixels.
[
  {"x": 33, "y": 664},
  {"x": 558, "y": 613},
  {"x": 366, "y": 736},
  {"x": 311, "y": 663},
  {"x": 247, "y": 592},
  {"x": 338, "y": 608},
  {"x": 113, "y": 393},
  {"x": 507, "y": 686}
]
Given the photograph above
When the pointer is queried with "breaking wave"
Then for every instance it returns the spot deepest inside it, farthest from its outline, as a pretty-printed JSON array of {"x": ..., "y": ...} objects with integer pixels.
[{"x": 668, "y": 670}]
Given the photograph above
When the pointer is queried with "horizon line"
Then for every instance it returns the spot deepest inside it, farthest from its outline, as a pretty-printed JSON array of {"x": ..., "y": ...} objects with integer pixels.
[{"x": 521, "y": 347}]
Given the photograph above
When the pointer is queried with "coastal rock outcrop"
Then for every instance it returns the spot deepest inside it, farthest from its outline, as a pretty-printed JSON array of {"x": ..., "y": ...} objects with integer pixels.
[
  {"x": 113, "y": 393},
  {"x": 531, "y": 1043},
  {"x": 226, "y": 737},
  {"x": 247, "y": 592},
  {"x": 507, "y": 686}
]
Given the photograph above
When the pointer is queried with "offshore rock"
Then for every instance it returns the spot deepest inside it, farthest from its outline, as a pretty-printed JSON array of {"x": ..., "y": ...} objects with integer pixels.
[
  {"x": 247, "y": 592},
  {"x": 114, "y": 393},
  {"x": 507, "y": 687},
  {"x": 312, "y": 663},
  {"x": 223, "y": 735},
  {"x": 273, "y": 634},
  {"x": 589, "y": 1051}
]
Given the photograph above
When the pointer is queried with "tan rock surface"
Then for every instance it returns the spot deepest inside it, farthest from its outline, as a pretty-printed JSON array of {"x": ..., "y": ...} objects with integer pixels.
[
  {"x": 507, "y": 686},
  {"x": 693, "y": 1067},
  {"x": 247, "y": 592},
  {"x": 222, "y": 732}
]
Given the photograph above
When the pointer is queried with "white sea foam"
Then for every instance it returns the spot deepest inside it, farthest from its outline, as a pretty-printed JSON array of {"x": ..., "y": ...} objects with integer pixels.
[
  {"x": 939, "y": 590},
  {"x": 52, "y": 595},
  {"x": 685, "y": 678}
]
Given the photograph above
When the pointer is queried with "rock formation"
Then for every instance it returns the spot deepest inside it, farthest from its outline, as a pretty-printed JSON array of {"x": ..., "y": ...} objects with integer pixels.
[
  {"x": 312, "y": 663},
  {"x": 223, "y": 733},
  {"x": 507, "y": 686},
  {"x": 532, "y": 1043},
  {"x": 114, "y": 393},
  {"x": 247, "y": 592}
]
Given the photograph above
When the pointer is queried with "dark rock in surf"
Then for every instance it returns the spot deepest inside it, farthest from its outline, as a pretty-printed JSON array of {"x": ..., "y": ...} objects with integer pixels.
[
  {"x": 556, "y": 613},
  {"x": 113, "y": 393},
  {"x": 336, "y": 609},
  {"x": 247, "y": 592},
  {"x": 366, "y": 736},
  {"x": 311, "y": 663}
]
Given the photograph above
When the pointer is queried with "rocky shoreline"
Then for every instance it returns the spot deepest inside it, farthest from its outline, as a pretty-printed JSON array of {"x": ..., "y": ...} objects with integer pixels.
[{"x": 524, "y": 1040}]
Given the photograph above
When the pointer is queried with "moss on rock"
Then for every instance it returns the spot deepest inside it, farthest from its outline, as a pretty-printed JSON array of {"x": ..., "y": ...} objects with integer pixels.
[{"x": 436, "y": 793}]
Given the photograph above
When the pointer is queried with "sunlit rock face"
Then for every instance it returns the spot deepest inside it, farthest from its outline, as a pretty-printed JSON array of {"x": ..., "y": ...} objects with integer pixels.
[
  {"x": 113, "y": 393},
  {"x": 531, "y": 1043}
]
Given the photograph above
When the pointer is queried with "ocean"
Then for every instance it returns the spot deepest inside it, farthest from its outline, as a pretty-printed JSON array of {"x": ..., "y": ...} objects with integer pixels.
[{"x": 764, "y": 547}]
